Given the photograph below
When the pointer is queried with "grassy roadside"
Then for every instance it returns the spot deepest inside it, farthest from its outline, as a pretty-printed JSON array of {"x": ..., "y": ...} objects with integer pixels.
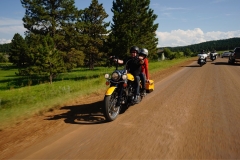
[{"x": 21, "y": 103}]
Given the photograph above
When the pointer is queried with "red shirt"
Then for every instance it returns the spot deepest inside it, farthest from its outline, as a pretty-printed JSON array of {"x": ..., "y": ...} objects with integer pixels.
[{"x": 145, "y": 68}]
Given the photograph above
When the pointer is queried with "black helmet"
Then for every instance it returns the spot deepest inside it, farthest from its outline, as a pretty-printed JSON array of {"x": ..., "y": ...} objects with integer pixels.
[
  {"x": 134, "y": 48},
  {"x": 202, "y": 50}
]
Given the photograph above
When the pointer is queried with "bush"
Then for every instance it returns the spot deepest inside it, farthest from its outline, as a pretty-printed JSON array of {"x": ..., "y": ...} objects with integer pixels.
[{"x": 3, "y": 58}]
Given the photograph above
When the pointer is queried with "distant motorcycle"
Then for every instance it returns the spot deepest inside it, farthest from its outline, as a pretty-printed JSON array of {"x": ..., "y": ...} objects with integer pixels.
[
  {"x": 202, "y": 59},
  {"x": 213, "y": 56}
]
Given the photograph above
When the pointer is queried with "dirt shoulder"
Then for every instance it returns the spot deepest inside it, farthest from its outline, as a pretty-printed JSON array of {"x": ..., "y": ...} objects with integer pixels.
[{"x": 35, "y": 129}]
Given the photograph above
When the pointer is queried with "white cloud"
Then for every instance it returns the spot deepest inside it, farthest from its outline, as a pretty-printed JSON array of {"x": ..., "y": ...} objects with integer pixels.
[
  {"x": 187, "y": 37},
  {"x": 3, "y": 41},
  {"x": 9, "y": 21},
  {"x": 8, "y": 27},
  {"x": 215, "y": 35},
  {"x": 12, "y": 29}
]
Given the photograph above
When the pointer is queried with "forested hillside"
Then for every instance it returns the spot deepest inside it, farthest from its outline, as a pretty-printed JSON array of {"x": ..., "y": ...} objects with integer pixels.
[{"x": 218, "y": 45}]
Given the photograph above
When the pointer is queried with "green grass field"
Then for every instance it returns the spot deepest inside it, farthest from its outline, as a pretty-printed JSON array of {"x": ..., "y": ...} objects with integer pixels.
[{"x": 20, "y": 98}]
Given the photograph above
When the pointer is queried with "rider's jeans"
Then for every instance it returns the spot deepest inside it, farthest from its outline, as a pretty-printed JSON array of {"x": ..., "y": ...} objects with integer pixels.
[
  {"x": 137, "y": 81},
  {"x": 143, "y": 80}
]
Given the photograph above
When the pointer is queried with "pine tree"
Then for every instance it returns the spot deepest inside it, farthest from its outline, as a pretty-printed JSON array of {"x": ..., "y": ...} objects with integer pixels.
[
  {"x": 18, "y": 53},
  {"x": 45, "y": 59},
  {"x": 95, "y": 32},
  {"x": 51, "y": 34},
  {"x": 133, "y": 24},
  {"x": 46, "y": 17}
]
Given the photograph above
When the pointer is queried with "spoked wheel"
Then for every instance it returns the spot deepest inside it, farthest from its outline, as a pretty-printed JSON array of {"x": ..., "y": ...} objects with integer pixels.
[{"x": 111, "y": 111}]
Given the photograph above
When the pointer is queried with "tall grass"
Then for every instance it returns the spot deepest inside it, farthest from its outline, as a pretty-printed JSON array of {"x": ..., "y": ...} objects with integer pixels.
[{"x": 19, "y": 102}]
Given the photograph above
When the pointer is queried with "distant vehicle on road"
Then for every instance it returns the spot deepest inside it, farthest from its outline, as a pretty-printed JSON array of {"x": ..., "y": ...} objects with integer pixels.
[
  {"x": 234, "y": 56},
  {"x": 225, "y": 54}
]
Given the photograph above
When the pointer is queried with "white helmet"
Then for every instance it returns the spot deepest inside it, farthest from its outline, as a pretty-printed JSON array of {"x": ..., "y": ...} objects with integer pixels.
[{"x": 144, "y": 52}]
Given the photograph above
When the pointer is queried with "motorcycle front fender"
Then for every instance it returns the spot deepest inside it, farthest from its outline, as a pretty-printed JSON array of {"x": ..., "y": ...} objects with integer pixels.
[
  {"x": 130, "y": 77},
  {"x": 110, "y": 90}
]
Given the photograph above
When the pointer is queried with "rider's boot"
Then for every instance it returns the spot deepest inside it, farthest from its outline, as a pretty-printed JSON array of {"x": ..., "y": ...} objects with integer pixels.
[
  {"x": 136, "y": 99},
  {"x": 143, "y": 92}
]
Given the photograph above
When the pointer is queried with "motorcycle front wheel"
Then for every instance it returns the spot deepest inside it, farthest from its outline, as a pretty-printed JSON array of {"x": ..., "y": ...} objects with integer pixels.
[{"x": 111, "y": 111}]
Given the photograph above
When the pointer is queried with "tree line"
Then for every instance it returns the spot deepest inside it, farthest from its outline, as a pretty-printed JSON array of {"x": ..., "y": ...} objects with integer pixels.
[
  {"x": 190, "y": 50},
  {"x": 218, "y": 45},
  {"x": 195, "y": 49}
]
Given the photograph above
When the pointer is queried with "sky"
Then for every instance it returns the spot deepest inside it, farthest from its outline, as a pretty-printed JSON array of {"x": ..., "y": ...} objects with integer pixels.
[{"x": 180, "y": 22}]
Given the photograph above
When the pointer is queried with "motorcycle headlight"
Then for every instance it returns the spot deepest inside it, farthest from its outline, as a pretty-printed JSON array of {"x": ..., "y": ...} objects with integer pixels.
[
  {"x": 115, "y": 76},
  {"x": 124, "y": 77},
  {"x": 202, "y": 57},
  {"x": 106, "y": 76}
]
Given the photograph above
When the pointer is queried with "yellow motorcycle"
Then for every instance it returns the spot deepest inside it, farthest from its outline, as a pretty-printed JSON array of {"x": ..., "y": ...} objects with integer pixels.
[{"x": 119, "y": 96}]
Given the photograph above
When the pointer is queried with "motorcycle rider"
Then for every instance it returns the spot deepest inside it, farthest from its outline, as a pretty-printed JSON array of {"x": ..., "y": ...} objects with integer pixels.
[
  {"x": 133, "y": 67},
  {"x": 144, "y": 75},
  {"x": 213, "y": 55},
  {"x": 203, "y": 54}
]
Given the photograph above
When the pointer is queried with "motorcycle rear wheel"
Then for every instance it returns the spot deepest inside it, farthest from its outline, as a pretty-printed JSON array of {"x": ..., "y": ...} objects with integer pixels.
[{"x": 111, "y": 111}]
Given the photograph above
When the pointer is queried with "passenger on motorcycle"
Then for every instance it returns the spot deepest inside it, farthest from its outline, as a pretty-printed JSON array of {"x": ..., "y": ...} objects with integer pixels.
[
  {"x": 144, "y": 75},
  {"x": 133, "y": 67}
]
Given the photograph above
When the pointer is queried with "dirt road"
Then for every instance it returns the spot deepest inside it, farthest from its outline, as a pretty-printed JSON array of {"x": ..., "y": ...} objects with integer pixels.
[{"x": 193, "y": 113}]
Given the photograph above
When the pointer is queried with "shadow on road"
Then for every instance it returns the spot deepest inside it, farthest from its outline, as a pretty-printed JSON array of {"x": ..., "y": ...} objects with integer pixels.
[
  {"x": 192, "y": 65},
  {"x": 220, "y": 63},
  {"x": 82, "y": 114},
  {"x": 197, "y": 65},
  {"x": 226, "y": 63}
]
